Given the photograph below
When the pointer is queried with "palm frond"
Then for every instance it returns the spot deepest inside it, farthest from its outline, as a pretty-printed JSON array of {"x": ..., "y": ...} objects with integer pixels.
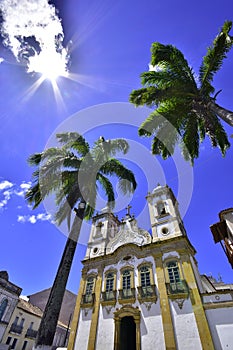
[
  {"x": 108, "y": 189},
  {"x": 115, "y": 167},
  {"x": 172, "y": 59},
  {"x": 213, "y": 60},
  {"x": 73, "y": 140}
]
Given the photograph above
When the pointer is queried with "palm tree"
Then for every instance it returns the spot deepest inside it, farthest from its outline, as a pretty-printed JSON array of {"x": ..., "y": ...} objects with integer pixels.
[
  {"x": 72, "y": 171},
  {"x": 185, "y": 105}
]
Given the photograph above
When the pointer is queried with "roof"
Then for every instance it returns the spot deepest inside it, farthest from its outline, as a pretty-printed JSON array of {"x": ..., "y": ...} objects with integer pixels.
[
  {"x": 28, "y": 307},
  {"x": 219, "y": 231},
  {"x": 224, "y": 211},
  {"x": 39, "y": 299}
]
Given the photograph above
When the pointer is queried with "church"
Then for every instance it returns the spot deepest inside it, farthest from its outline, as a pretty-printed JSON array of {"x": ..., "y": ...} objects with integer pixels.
[{"x": 142, "y": 291}]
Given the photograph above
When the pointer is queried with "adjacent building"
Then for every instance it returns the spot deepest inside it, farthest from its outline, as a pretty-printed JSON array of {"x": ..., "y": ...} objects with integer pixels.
[
  {"x": 9, "y": 295},
  {"x": 20, "y": 316},
  {"x": 223, "y": 232},
  {"x": 143, "y": 291}
]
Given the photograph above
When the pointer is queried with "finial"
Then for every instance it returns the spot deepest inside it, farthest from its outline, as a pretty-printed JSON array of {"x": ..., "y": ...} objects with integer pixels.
[{"x": 128, "y": 210}]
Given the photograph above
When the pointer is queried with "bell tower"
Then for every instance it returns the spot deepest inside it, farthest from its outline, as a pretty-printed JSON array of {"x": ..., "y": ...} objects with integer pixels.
[
  {"x": 105, "y": 225},
  {"x": 165, "y": 218}
]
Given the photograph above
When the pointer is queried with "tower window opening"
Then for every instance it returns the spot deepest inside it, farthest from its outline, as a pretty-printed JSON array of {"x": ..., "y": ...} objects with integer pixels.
[{"x": 161, "y": 208}]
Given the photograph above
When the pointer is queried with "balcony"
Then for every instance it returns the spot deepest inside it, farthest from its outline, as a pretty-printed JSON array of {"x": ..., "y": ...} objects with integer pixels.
[
  {"x": 108, "y": 298},
  {"x": 16, "y": 328},
  {"x": 126, "y": 296},
  {"x": 88, "y": 300},
  {"x": 178, "y": 290},
  {"x": 147, "y": 293},
  {"x": 31, "y": 333}
]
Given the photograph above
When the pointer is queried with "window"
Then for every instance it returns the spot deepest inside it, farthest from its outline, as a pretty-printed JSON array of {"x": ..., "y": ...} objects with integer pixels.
[
  {"x": 24, "y": 345},
  {"x": 16, "y": 320},
  {"x": 173, "y": 272},
  {"x": 8, "y": 340},
  {"x": 110, "y": 282},
  {"x": 126, "y": 280},
  {"x": 31, "y": 325},
  {"x": 161, "y": 209},
  {"x": 22, "y": 322},
  {"x": 3, "y": 307},
  {"x": 14, "y": 343},
  {"x": 90, "y": 285},
  {"x": 127, "y": 290},
  {"x": 88, "y": 296},
  {"x": 145, "y": 276}
]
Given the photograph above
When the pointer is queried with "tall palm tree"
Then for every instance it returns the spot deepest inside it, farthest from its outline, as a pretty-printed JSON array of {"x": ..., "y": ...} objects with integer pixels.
[
  {"x": 72, "y": 171},
  {"x": 185, "y": 105}
]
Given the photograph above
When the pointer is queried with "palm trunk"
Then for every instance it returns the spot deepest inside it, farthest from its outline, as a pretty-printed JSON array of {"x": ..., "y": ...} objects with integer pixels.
[
  {"x": 223, "y": 113},
  {"x": 50, "y": 317}
]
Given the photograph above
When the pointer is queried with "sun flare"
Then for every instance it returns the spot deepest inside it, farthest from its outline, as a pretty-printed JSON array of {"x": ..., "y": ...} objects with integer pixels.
[{"x": 50, "y": 64}]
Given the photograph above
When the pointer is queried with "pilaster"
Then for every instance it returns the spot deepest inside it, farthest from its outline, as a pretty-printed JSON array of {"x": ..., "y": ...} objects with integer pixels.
[
  {"x": 75, "y": 320},
  {"x": 198, "y": 309},
  {"x": 168, "y": 329},
  {"x": 95, "y": 313}
]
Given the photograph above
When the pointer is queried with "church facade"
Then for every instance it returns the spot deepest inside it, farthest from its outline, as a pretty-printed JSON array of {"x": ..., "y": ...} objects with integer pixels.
[{"x": 142, "y": 291}]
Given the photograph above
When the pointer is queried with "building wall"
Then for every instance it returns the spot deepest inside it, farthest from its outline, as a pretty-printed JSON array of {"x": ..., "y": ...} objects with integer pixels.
[
  {"x": 10, "y": 337},
  {"x": 186, "y": 332},
  {"x": 10, "y": 292},
  {"x": 152, "y": 336},
  {"x": 221, "y": 326},
  {"x": 83, "y": 332},
  {"x": 105, "y": 337}
]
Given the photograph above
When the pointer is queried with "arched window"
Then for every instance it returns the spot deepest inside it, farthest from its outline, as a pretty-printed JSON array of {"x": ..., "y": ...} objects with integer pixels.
[
  {"x": 110, "y": 282},
  {"x": 145, "y": 276},
  {"x": 90, "y": 285},
  {"x": 173, "y": 272},
  {"x": 127, "y": 290},
  {"x": 3, "y": 307},
  {"x": 88, "y": 297},
  {"x": 126, "y": 280},
  {"x": 161, "y": 208}
]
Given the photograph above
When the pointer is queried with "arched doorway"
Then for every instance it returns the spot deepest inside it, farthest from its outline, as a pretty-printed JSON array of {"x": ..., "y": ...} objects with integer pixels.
[
  {"x": 127, "y": 333},
  {"x": 127, "y": 329}
]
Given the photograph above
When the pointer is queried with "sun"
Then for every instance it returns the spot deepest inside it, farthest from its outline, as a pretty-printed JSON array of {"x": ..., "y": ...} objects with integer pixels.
[{"x": 49, "y": 64}]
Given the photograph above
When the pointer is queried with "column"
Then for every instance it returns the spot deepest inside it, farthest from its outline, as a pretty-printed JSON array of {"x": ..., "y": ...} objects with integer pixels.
[
  {"x": 75, "y": 320},
  {"x": 168, "y": 329},
  {"x": 95, "y": 313},
  {"x": 199, "y": 312}
]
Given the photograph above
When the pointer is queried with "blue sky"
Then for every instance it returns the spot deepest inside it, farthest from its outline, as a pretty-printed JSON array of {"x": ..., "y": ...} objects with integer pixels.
[{"x": 110, "y": 48}]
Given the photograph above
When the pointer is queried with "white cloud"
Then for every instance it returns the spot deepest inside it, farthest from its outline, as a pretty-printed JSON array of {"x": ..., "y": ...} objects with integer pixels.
[
  {"x": 32, "y": 219},
  {"x": 5, "y": 184},
  {"x": 34, "y": 33},
  {"x": 23, "y": 187},
  {"x": 8, "y": 189},
  {"x": 1, "y": 59},
  {"x": 21, "y": 219}
]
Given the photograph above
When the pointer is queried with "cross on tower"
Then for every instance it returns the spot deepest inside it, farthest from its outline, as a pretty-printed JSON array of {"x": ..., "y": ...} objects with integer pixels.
[{"x": 128, "y": 210}]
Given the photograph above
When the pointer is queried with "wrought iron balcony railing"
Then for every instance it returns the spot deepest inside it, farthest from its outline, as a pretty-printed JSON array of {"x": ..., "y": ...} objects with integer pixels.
[
  {"x": 16, "y": 328},
  {"x": 125, "y": 294},
  {"x": 175, "y": 288},
  {"x": 109, "y": 296},
  {"x": 88, "y": 299},
  {"x": 147, "y": 292},
  {"x": 31, "y": 333}
]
